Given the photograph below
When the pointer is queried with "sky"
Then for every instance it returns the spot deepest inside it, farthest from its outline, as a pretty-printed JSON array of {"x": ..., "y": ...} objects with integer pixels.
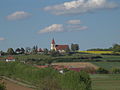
[{"x": 89, "y": 23}]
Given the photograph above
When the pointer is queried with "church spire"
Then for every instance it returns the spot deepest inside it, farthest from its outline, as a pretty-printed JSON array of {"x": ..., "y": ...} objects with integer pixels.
[
  {"x": 53, "y": 41},
  {"x": 53, "y": 44}
]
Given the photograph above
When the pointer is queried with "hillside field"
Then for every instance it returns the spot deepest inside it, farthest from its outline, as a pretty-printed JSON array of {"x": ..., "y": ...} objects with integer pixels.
[{"x": 105, "y": 81}]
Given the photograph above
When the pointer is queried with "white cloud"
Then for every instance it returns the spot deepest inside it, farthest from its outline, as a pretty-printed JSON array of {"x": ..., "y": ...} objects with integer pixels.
[
  {"x": 74, "y": 22},
  {"x": 80, "y": 6},
  {"x": 76, "y": 28},
  {"x": 70, "y": 26},
  {"x": 52, "y": 28},
  {"x": 1, "y": 38},
  {"x": 18, "y": 15}
]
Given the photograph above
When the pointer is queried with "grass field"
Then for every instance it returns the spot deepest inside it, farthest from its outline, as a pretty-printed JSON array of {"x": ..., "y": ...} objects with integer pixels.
[
  {"x": 107, "y": 65},
  {"x": 105, "y": 82},
  {"x": 110, "y": 57}
]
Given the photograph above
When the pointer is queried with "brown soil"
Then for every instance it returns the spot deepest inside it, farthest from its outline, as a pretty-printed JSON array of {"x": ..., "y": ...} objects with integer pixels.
[
  {"x": 77, "y": 64},
  {"x": 13, "y": 86}
]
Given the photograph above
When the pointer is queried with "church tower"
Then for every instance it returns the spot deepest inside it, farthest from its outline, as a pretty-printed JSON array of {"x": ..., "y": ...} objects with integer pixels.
[{"x": 53, "y": 44}]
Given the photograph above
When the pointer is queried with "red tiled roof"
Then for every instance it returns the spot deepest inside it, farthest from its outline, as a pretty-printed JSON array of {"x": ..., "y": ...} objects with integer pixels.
[
  {"x": 62, "y": 47},
  {"x": 53, "y": 42},
  {"x": 10, "y": 58}
]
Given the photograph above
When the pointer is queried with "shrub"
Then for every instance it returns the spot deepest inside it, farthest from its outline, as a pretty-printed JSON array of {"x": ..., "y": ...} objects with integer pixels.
[
  {"x": 102, "y": 71},
  {"x": 2, "y": 85},
  {"x": 115, "y": 70},
  {"x": 75, "y": 81}
]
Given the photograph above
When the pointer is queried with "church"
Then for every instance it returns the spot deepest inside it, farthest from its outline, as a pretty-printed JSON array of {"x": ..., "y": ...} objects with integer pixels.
[{"x": 60, "y": 48}]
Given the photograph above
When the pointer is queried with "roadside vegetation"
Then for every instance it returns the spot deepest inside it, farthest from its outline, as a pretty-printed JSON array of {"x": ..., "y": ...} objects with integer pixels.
[{"x": 46, "y": 77}]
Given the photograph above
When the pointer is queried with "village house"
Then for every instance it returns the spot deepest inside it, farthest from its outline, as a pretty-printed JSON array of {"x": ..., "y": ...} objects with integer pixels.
[
  {"x": 10, "y": 59},
  {"x": 60, "y": 48}
]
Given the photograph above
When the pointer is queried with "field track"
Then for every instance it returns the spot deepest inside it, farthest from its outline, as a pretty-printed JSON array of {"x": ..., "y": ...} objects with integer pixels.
[{"x": 15, "y": 85}]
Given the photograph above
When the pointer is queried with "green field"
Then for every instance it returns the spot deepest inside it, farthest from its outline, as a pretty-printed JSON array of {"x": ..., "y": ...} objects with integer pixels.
[
  {"x": 107, "y": 65},
  {"x": 106, "y": 82}
]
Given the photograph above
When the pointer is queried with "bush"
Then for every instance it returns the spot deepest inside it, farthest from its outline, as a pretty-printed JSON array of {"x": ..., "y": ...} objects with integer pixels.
[
  {"x": 2, "y": 85},
  {"x": 115, "y": 70},
  {"x": 75, "y": 81},
  {"x": 102, "y": 71}
]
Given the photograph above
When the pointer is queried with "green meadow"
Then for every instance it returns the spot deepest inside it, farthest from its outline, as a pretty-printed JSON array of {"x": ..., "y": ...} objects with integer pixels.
[{"x": 105, "y": 81}]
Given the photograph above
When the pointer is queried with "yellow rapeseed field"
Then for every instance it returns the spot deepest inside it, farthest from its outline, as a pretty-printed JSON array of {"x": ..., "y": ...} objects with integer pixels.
[{"x": 98, "y": 52}]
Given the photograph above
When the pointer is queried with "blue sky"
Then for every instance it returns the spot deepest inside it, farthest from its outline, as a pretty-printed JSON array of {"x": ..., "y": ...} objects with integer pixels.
[{"x": 89, "y": 23}]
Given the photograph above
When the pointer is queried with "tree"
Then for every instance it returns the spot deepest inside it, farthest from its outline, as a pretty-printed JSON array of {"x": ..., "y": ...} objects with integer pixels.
[
  {"x": 102, "y": 71},
  {"x": 18, "y": 50},
  {"x": 45, "y": 51},
  {"x": 10, "y": 51},
  {"x": 72, "y": 80},
  {"x": 22, "y": 50},
  {"x": 27, "y": 49},
  {"x": 54, "y": 53},
  {"x": 116, "y": 48},
  {"x": 34, "y": 49},
  {"x": 74, "y": 47}
]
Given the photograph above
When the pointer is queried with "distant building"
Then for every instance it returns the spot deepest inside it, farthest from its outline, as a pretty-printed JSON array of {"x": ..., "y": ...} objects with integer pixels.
[
  {"x": 60, "y": 48},
  {"x": 10, "y": 59}
]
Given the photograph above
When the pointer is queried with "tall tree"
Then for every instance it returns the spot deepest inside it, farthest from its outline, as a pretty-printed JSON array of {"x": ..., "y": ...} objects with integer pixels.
[
  {"x": 45, "y": 51},
  {"x": 74, "y": 47},
  {"x": 10, "y": 51},
  {"x": 34, "y": 49},
  {"x": 18, "y": 50},
  {"x": 27, "y": 50},
  {"x": 116, "y": 48},
  {"x": 22, "y": 50}
]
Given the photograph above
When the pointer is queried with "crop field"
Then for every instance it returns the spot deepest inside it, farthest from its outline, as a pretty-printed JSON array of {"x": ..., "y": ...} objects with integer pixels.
[
  {"x": 110, "y": 57},
  {"x": 107, "y": 65},
  {"x": 97, "y": 52},
  {"x": 106, "y": 81},
  {"x": 77, "y": 64}
]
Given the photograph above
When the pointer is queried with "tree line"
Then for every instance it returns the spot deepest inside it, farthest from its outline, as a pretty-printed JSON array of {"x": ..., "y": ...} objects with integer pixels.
[{"x": 114, "y": 48}]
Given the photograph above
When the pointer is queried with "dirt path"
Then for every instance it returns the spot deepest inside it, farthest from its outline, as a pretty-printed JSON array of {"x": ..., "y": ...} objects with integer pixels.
[{"x": 13, "y": 86}]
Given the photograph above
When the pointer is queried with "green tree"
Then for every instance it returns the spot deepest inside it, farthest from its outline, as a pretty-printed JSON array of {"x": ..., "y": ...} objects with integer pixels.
[
  {"x": 102, "y": 71},
  {"x": 18, "y": 50},
  {"x": 74, "y": 47},
  {"x": 72, "y": 80},
  {"x": 115, "y": 70},
  {"x": 10, "y": 51},
  {"x": 54, "y": 53},
  {"x": 27, "y": 50},
  {"x": 45, "y": 51},
  {"x": 34, "y": 49},
  {"x": 116, "y": 48},
  {"x": 22, "y": 50}
]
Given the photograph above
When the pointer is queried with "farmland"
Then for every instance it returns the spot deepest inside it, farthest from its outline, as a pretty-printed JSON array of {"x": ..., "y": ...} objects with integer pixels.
[
  {"x": 97, "y": 52},
  {"x": 106, "y": 81},
  {"x": 77, "y": 64}
]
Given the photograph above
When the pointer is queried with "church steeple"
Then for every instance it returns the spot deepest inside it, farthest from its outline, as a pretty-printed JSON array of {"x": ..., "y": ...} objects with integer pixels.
[
  {"x": 53, "y": 44},
  {"x": 53, "y": 41}
]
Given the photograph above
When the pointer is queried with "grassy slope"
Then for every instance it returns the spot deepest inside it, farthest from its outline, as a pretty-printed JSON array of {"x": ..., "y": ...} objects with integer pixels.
[{"x": 105, "y": 82}]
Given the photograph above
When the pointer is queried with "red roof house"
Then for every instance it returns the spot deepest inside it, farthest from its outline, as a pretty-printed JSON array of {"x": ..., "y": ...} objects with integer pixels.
[{"x": 10, "y": 58}]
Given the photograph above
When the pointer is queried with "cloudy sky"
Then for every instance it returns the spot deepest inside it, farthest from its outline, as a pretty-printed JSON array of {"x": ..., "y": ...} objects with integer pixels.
[{"x": 89, "y": 23}]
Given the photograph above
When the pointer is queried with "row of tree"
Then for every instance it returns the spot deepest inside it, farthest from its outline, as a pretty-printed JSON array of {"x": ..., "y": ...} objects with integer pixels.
[
  {"x": 114, "y": 48},
  {"x": 35, "y": 50}
]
